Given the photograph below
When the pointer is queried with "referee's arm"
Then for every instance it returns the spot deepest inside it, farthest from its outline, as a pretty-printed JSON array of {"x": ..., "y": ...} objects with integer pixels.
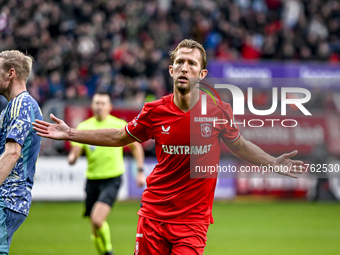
[
  {"x": 74, "y": 154},
  {"x": 138, "y": 153}
]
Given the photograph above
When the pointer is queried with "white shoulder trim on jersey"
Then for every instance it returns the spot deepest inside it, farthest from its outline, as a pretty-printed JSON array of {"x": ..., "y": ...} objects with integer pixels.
[
  {"x": 235, "y": 138},
  {"x": 127, "y": 129}
]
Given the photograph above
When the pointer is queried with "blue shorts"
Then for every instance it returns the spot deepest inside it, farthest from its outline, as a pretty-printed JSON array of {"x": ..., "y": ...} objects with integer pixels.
[{"x": 10, "y": 221}]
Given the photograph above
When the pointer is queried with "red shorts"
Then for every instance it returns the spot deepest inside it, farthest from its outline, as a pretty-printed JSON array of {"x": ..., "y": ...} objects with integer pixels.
[{"x": 161, "y": 238}]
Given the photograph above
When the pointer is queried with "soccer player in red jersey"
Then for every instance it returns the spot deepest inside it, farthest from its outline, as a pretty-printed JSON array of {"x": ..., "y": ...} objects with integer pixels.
[{"x": 176, "y": 209}]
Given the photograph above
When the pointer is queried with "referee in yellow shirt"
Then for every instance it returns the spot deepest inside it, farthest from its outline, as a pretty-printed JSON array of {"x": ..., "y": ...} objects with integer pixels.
[{"x": 105, "y": 167}]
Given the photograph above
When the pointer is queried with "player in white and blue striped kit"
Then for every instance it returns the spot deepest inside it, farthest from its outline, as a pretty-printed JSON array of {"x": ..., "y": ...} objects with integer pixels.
[{"x": 19, "y": 144}]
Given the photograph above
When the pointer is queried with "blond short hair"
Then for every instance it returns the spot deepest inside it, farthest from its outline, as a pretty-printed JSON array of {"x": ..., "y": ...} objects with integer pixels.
[
  {"x": 21, "y": 63},
  {"x": 188, "y": 43}
]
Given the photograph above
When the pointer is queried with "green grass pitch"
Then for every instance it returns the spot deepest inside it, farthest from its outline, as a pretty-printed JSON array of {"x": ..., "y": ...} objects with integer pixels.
[{"x": 241, "y": 228}]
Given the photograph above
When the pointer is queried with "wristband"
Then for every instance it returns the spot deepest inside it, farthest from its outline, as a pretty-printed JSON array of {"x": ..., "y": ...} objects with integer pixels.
[{"x": 140, "y": 170}]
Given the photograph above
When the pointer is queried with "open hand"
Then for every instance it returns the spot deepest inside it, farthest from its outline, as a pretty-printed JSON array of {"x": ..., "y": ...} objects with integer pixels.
[
  {"x": 286, "y": 166},
  {"x": 59, "y": 131}
]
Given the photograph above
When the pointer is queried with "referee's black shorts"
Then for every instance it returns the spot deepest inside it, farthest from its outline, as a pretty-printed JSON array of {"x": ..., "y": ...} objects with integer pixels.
[{"x": 103, "y": 190}]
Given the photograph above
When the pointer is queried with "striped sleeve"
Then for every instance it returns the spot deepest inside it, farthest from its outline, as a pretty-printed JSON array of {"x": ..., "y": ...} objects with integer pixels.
[{"x": 20, "y": 119}]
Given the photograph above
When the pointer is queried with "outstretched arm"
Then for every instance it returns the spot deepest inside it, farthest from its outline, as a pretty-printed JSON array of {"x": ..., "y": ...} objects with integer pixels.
[
  {"x": 99, "y": 137},
  {"x": 253, "y": 154}
]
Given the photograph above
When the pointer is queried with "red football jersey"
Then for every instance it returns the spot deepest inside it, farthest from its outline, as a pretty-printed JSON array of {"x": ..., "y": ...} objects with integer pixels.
[{"x": 184, "y": 140}]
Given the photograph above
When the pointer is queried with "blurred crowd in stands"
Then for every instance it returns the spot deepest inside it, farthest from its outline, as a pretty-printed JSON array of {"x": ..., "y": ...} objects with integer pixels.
[{"x": 122, "y": 46}]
